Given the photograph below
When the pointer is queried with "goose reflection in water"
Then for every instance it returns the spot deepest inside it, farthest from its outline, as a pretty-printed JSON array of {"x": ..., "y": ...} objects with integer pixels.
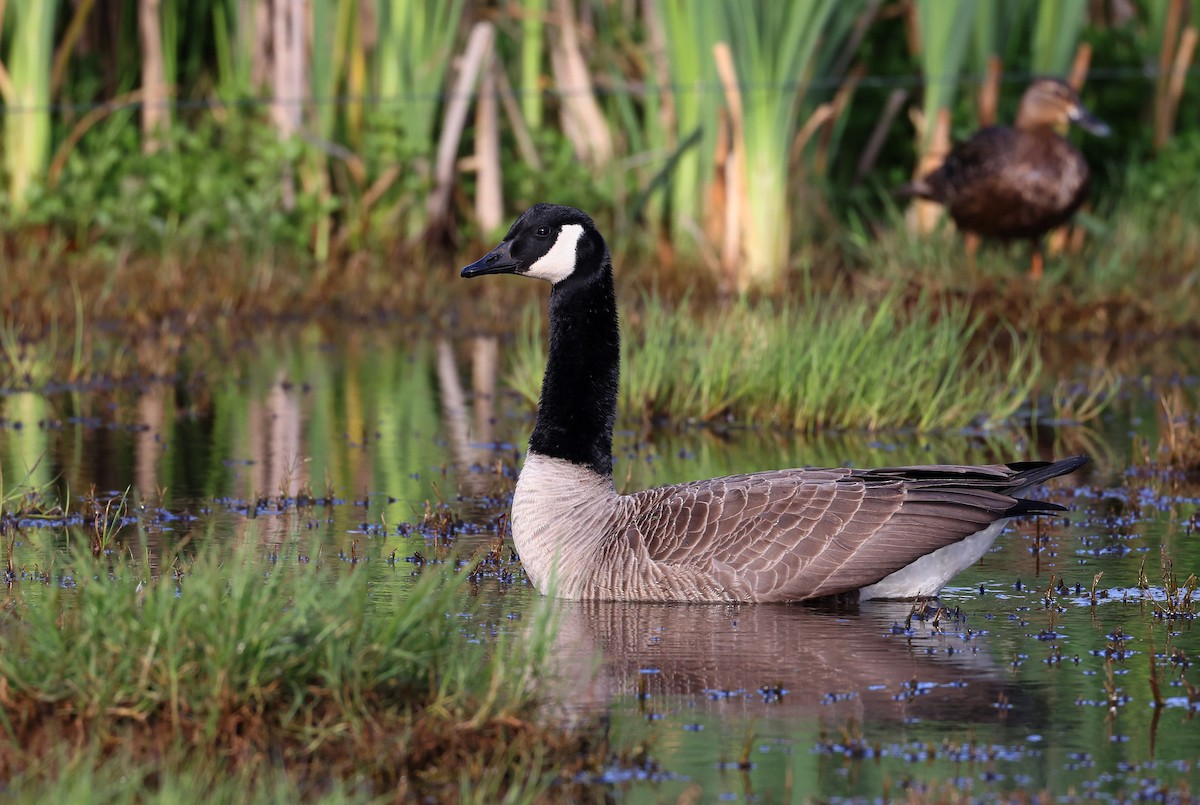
[{"x": 801, "y": 661}]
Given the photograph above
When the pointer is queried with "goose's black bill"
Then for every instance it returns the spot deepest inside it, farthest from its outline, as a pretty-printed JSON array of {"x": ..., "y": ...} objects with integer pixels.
[
  {"x": 1088, "y": 122},
  {"x": 498, "y": 261}
]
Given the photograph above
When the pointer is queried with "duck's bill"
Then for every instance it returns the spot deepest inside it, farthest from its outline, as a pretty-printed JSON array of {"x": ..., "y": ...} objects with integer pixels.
[
  {"x": 1088, "y": 122},
  {"x": 498, "y": 261}
]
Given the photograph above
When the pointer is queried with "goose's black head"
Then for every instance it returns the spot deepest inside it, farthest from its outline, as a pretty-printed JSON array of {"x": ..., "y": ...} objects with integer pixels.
[{"x": 548, "y": 242}]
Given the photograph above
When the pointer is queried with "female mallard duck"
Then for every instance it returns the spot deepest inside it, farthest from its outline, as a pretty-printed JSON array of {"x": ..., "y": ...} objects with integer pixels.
[
  {"x": 1019, "y": 182},
  {"x": 786, "y": 535}
]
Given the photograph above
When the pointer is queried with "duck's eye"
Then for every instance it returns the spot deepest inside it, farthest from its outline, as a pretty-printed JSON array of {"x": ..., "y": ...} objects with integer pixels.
[{"x": 543, "y": 232}]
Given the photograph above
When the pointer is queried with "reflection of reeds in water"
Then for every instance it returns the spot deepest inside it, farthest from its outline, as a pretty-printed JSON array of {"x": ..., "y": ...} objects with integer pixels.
[
  {"x": 26, "y": 461},
  {"x": 274, "y": 448},
  {"x": 470, "y": 426},
  {"x": 150, "y": 440}
]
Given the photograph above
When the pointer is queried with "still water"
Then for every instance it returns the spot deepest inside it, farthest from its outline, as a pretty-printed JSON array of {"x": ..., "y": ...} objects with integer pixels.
[{"x": 1036, "y": 673}]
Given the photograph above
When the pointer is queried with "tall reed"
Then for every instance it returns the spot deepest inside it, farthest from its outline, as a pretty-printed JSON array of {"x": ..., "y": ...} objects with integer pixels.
[
  {"x": 1055, "y": 35},
  {"x": 235, "y": 36},
  {"x": 533, "y": 50},
  {"x": 416, "y": 40},
  {"x": 694, "y": 99},
  {"x": 774, "y": 47},
  {"x": 945, "y": 32},
  {"x": 27, "y": 95}
]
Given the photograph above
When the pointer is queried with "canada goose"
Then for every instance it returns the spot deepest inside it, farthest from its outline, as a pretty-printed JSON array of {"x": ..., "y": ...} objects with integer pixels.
[
  {"x": 1019, "y": 182},
  {"x": 786, "y": 535}
]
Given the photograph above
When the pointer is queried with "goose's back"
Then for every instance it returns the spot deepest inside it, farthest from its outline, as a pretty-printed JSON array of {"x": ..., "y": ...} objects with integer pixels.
[{"x": 796, "y": 534}]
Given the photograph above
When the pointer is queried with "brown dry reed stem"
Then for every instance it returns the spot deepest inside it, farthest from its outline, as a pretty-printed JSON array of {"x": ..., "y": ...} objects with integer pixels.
[{"x": 1179, "y": 439}]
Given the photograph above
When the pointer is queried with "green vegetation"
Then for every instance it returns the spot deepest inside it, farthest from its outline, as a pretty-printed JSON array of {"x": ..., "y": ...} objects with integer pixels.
[
  {"x": 180, "y": 176},
  {"x": 289, "y": 670},
  {"x": 151, "y": 126},
  {"x": 828, "y": 364},
  {"x": 721, "y": 148}
]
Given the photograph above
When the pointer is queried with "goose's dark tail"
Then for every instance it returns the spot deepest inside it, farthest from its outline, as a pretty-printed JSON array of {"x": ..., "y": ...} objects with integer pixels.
[
  {"x": 1036, "y": 472},
  {"x": 1032, "y": 473}
]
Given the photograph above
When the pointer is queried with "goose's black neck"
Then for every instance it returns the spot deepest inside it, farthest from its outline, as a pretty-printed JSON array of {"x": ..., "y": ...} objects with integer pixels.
[{"x": 579, "y": 390}]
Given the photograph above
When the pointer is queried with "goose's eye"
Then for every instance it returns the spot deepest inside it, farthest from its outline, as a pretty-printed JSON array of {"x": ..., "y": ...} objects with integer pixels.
[{"x": 543, "y": 232}]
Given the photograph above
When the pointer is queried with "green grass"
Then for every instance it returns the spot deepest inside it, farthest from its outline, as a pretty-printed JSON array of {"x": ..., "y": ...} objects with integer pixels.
[
  {"x": 833, "y": 363},
  {"x": 287, "y": 668},
  {"x": 92, "y": 779}
]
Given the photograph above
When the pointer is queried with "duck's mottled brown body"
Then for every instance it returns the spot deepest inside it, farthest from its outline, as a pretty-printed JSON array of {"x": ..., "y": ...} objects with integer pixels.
[
  {"x": 1009, "y": 183},
  {"x": 1019, "y": 182}
]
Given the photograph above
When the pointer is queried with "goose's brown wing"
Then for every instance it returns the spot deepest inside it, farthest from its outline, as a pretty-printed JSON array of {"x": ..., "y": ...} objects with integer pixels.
[{"x": 796, "y": 534}]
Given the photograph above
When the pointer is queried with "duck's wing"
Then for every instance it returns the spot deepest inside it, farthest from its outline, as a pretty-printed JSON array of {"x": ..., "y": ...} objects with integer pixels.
[
  {"x": 985, "y": 158},
  {"x": 971, "y": 163},
  {"x": 797, "y": 534},
  {"x": 1008, "y": 183}
]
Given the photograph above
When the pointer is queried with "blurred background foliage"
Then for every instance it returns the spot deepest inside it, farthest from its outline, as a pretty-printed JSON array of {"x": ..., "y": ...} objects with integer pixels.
[{"x": 722, "y": 134}]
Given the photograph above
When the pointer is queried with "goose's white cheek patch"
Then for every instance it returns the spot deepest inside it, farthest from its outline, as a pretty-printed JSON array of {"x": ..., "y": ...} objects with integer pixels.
[{"x": 558, "y": 263}]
